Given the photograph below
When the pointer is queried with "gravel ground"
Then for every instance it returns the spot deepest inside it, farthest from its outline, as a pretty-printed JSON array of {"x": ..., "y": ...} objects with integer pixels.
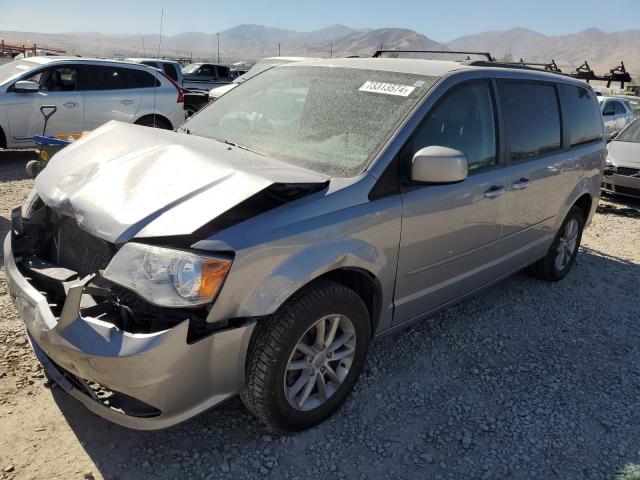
[{"x": 528, "y": 380}]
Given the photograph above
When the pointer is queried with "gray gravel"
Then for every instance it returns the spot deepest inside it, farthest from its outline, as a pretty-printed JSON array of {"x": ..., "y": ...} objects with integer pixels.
[{"x": 528, "y": 380}]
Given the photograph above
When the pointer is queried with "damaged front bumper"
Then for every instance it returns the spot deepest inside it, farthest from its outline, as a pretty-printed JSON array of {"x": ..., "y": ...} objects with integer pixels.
[{"x": 139, "y": 380}]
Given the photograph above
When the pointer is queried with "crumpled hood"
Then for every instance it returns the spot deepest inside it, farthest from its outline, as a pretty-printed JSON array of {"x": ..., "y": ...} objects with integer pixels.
[
  {"x": 124, "y": 181},
  {"x": 624, "y": 153}
]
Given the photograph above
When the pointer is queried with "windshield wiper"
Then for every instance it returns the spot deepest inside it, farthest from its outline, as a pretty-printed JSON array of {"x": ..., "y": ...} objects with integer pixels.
[{"x": 242, "y": 147}]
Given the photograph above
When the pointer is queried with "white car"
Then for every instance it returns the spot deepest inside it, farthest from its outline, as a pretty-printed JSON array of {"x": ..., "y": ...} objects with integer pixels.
[
  {"x": 616, "y": 114},
  {"x": 261, "y": 66},
  {"x": 87, "y": 94}
]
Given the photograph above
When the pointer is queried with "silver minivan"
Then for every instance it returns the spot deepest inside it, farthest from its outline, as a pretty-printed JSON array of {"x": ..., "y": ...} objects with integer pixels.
[{"x": 261, "y": 248}]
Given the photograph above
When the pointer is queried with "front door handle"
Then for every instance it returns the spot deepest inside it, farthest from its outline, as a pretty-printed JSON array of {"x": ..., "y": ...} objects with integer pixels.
[
  {"x": 520, "y": 184},
  {"x": 126, "y": 102},
  {"x": 71, "y": 104},
  {"x": 495, "y": 191}
]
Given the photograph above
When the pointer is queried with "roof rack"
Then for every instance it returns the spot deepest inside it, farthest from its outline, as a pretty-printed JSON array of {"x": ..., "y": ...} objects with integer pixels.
[
  {"x": 379, "y": 53},
  {"x": 583, "y": 72},
  {"x": 551, "y": 67},
  {"x": 548, "y": 67},
  {"x": 616, "y": 74}
]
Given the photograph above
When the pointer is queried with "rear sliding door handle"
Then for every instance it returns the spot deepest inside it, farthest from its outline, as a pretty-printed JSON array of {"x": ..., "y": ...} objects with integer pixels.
[
  {"x": 495, "y": 191},
  {"x": 520, "y": 184}
]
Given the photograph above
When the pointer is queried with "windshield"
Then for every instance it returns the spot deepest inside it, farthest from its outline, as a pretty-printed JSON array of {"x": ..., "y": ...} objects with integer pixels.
[
  {"x": 261, "y": 66},
  {"x": 191, "y": 68},
  {"x": 10, "y": 69},
  {"x": 332, "y": 120},
  {"x": 630, "y": 134}
]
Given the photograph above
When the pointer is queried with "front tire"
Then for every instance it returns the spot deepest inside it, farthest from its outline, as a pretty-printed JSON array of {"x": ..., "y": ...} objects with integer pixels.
[
  {"x": 305, "y": 359},
  {"x": 564, "y": 249}
]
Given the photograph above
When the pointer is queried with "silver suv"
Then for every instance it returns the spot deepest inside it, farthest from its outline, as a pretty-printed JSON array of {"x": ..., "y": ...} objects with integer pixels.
[
  {"x": 87, "y": 93},
  {"x": 260, "y": 249}
]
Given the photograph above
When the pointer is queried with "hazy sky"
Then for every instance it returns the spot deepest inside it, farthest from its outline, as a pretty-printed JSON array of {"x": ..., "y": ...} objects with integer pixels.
[{"x": 439, "y": 20}]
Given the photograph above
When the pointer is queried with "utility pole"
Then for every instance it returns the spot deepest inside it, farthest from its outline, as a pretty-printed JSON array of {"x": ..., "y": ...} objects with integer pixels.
[
  {"x": 278, "y": 49},
  {"x": 144, "y": 51},
  {"x": 218, "y": 35},
  {"x": 331, "y": 51}
]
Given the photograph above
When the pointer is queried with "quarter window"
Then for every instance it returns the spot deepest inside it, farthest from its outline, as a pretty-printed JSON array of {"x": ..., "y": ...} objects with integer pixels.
[
  {"x": 464, "y": 121},
  {"x": 532, "y": 119},
  {"x": 582, "y": 114},
  {"x": 618, "y": 108}
]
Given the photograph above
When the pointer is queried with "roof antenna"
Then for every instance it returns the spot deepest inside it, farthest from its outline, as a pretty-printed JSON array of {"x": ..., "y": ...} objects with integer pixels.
[{"x": 155, "y": 82}]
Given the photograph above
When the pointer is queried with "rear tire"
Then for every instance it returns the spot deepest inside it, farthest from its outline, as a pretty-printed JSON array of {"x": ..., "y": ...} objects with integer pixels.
[
  {"x": 564, "y": 249},
  {"x": 277, "y": 366},
  {"x": 154, "y": 121}
]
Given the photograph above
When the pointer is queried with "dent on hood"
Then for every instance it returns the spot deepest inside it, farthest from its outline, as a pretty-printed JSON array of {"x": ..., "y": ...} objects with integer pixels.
[{"x": 125, "y": 181}]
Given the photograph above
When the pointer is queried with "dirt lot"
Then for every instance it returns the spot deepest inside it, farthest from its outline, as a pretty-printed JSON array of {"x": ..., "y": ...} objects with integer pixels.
[{"x": 529, "y": 380}]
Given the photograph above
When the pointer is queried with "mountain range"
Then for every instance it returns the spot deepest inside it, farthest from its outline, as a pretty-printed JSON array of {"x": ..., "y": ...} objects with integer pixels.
[{"x": 602, "y": 50}]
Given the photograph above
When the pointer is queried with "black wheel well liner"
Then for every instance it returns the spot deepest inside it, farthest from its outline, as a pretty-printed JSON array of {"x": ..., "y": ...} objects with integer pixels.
[
  {"x": 584, "y": 203},
  {"x": 157, "y": 116},
  {"x": 3, "y": 139},
  {"x": 364, "y": 283}
]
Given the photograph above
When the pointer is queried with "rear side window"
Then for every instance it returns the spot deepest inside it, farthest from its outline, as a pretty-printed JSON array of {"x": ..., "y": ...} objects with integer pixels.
[
  {"x": 118, "y": 78},
  {"x": 582, "y": 114},
  {"x": 171, "y": 71},
  {"x": 532, "y": 119},
  {"x": 151, "y": 64}
]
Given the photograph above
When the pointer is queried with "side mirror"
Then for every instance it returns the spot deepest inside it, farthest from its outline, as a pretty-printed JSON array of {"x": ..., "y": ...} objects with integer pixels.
[
  {"x": 437, "y": 164},
  {"x": 26, "y": 86},
  {"x": 613, "y": 135}
]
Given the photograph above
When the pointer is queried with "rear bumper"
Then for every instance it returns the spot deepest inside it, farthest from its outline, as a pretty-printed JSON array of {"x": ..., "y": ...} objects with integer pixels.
[
  {"x": 622, "y": 185},
  {"x": 159, "y": 378}
]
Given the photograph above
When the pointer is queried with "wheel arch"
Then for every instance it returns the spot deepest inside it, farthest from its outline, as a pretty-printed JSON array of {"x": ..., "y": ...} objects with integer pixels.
[
  {"x": 364, "y": 283},
  {"x": 584, "y": 195},
  {"x": 584, "y": 202},
  {"x": 157, "y": 116},
  {"x": 3, "y": 138}
]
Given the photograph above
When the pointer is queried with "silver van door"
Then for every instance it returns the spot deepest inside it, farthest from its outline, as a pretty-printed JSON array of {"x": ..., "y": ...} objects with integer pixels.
[
  {"x": 542, "y": 173},
  {"x": 449, "y": 232}
]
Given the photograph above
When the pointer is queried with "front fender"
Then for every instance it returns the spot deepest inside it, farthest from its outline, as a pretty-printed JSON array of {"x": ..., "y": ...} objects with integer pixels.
[{"x": 307, "y": 265}]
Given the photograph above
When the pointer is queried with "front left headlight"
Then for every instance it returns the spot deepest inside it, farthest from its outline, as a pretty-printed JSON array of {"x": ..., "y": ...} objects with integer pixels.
[{"x": 166, "y": 276}]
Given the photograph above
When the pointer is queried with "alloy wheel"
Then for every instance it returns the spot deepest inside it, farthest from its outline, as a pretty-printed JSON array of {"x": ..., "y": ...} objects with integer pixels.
[
  {"x": 567, "y": 244},
  {"x": 320, "y": 362}
]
